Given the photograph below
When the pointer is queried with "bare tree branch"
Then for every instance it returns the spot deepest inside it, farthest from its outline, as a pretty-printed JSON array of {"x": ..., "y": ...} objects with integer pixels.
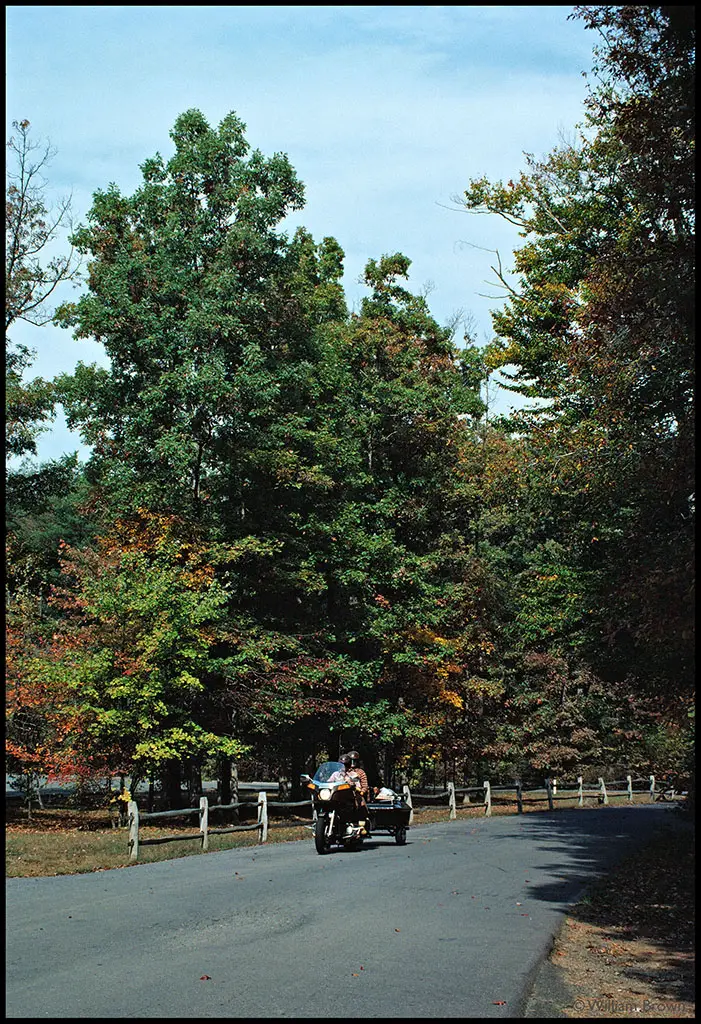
[{"x": 31, "y": 226}]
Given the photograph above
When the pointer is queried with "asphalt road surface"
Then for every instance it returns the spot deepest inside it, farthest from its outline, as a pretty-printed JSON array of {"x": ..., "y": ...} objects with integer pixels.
[{"x": 454, "y": 924}]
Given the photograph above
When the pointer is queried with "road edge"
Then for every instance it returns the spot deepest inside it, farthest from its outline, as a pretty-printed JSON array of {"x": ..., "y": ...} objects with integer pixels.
[{"x": 547, "y": 992}]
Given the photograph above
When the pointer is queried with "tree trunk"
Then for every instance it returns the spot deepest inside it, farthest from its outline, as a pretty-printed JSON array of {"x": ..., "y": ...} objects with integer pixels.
[
  {"x": 225, "y": 780},
  {"x": 171, "y": 785}
]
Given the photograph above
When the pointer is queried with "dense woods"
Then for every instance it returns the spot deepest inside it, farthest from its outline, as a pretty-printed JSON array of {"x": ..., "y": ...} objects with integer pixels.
[{"x": 302, "y": 529}]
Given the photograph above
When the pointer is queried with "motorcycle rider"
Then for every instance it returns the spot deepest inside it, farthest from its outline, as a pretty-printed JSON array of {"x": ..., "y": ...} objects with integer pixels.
[
  {"x": 341, "y": 775},
  {"x": 357, "y": 773}
]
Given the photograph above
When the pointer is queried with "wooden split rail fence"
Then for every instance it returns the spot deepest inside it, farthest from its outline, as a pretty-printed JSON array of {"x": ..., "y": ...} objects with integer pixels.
[
  {"x": 551, "y": 791},
  {"x": 261, "y": 825}
]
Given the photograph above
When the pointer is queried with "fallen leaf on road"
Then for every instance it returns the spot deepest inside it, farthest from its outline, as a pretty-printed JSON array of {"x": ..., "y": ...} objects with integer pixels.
[
  {"x": 205, "y": 977},
  {"x": 498, "y": 1002}
]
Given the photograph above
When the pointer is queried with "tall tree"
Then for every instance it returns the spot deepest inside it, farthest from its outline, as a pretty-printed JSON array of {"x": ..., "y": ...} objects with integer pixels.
[
  {"x": 400, "y": 578},
  {"x": 32, "y": 276},
  {"x": 185, "y": 294},
  {"x": 214, "y": 404},
  {"x": 135, "y": 646},
  {"x": 600, "y": 324},
  {"x": 242, "y": 398}
]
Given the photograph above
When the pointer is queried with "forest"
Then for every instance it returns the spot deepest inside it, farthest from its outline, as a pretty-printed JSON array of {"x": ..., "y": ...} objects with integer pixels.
[{"x": 303, "y": 529}]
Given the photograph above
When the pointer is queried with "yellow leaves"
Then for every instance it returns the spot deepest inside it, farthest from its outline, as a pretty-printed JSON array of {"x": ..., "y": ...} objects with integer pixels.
[
  {"x": 452, "y": 698},
  {"x": 199, "y": 579},
  {"x": 502, "y": 355},
  {"x": 187, "y": 680},
  {"x": 424, "y": 635},
  {"x": 311, "y": 582},
  {"x": 485, "y": 687}
]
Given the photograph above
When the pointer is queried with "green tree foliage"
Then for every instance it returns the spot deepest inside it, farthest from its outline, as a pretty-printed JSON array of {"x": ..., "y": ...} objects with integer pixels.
[
  {"x": 312, "y": 534},
  {"x": 187, "y": 294},
  {"x": 44, "y": 505},
  {"x": 402, "y": 572},
  {"x": 320, "y": 449},
  {"x": 134, "y": 646},
  {"x": 600, "y": 325}
]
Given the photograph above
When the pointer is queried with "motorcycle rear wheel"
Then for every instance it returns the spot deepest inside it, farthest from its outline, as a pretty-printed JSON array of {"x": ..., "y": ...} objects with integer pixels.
[{"x": 320, "y": 838}]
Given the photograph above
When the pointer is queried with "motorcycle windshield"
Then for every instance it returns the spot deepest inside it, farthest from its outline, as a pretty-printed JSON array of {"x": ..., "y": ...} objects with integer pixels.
[{"x": 326, "y": 770}]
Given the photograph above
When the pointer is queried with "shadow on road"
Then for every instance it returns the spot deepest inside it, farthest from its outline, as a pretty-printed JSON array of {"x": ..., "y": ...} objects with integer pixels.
[{"x": 647, "y": 896}]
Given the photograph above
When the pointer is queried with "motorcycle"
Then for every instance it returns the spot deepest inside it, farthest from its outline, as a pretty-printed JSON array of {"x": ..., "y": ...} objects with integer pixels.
[{"x": 334, "y": 807}]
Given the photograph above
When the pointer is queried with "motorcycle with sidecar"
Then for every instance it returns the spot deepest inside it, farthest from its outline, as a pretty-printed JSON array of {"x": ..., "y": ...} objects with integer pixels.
[{"x": 335, "y": 811}]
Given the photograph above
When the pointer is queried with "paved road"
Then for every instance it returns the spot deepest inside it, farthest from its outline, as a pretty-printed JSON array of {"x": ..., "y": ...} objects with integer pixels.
[{"x": 454, "y": 924}]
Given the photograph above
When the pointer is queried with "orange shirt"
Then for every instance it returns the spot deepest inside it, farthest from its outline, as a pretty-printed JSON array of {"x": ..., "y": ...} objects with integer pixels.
[{"x": 359, "y": 774}]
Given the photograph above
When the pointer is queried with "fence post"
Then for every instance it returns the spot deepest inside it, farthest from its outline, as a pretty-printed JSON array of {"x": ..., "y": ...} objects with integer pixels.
[
  {"x": 262, "y": 816},
  {"x": 487, "y": 799},
  {"x": 554, "y": 787},
  {"x": 451, "y": 802},
  {"x": 652, "y": 789},
  {"x": 603, "y": 795},
  {"x": 235, "y": 816},
  {"x": 519, "y": 796},
  {"x": 204, "y": 822},
  {"x": 133, "y": 832},
  {"x": 549, "y": 791},
  {"x": 406, "y": 793},
  {"x": 629, "y": 779},
  {"x": 580, "y": 792}
]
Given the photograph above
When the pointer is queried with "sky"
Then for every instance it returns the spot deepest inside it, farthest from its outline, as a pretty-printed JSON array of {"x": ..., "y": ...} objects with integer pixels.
[{"x": 386, "y": 113}]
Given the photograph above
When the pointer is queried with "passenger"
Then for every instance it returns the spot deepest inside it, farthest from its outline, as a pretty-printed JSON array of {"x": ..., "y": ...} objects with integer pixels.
[
  {"x": 384, "y": 793},
  {"x": 357, "y": 773}
]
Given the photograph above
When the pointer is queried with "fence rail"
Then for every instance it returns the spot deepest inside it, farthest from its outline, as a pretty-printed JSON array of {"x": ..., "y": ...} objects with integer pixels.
[
  {"x": 551, "y": 792},
  {"x": 261, "y": 825}
]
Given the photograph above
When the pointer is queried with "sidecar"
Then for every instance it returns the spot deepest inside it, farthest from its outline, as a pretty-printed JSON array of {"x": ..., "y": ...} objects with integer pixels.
[{"x": 390, "y": 816}]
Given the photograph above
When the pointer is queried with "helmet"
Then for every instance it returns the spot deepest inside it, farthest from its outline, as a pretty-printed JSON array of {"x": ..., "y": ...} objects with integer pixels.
[
  {"x": 353, "y": 756},
  {"x": 345, "y": 759}
]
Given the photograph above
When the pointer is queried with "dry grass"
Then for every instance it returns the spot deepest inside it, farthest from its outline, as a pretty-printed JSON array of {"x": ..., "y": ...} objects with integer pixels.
[{"x": 62, "y": 842}]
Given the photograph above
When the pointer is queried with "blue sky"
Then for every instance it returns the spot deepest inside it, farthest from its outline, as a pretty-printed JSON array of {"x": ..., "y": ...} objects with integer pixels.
[{"x": 385, "y": 112}]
